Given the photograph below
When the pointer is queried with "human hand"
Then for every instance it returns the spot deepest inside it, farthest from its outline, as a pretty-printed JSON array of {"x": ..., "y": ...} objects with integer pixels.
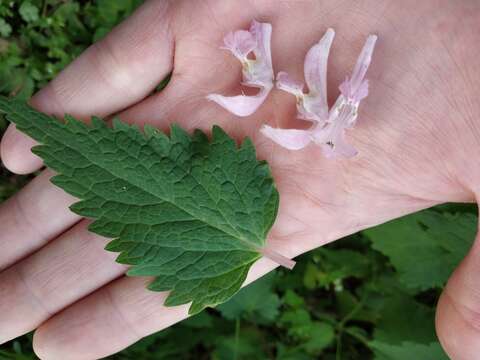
[{"x": 414, "y": 134}]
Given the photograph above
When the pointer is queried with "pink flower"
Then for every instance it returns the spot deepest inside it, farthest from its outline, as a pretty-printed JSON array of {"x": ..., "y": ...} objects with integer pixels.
[
  {"x": 256, "y": 72},
  {"x": 313, "y": 105},
  {"x": 328, "y": 129}
]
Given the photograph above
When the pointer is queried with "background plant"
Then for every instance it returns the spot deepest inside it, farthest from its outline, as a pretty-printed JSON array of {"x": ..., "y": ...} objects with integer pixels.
[{"x": 369, "y": 296}]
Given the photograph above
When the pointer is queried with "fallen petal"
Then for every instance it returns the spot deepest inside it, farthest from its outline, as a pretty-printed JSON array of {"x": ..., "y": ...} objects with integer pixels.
[
  {"x": 291, "y": 139},
  {"x": 240, "y": 105},
  {"x": 256, "y": 72},
  {"x": 363, "y": 62},
  {"x": 314, "y": 105},
  {"x": 355, "y": 89},
  {"x": 315, "y": 69}
]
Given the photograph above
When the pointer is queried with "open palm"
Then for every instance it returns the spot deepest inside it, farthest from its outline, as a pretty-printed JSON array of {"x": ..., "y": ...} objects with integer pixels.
[{"x": 415, "y": 134}]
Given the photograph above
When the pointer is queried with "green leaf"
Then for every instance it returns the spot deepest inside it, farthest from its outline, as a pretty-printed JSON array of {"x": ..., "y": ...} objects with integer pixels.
[
  {"x": 246, "y": 345},
  {"x": 408, "y": 350},
  {"x": 293, "y": 300},
  {"x": 28, "y": 11},
  {"x": 333, "y": 267},
  {"x": 425, "y": 247},
  {"x": 190, "y": 211},
  {"x": 257, "y": 301},
  {"x": 402, "y": 318},
  {"x": 321, "y": 335},
  {"x": 5, "y": 28}
]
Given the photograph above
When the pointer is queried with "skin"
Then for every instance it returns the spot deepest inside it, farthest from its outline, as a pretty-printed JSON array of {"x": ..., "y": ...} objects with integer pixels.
[{"x": 418, "y": 136}]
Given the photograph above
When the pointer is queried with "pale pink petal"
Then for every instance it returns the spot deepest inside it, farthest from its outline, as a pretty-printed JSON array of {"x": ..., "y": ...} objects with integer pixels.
[
  {"x": 363, "y": 62},
  {"x": 347, "y": 91},
  {"x": 291, "y": 139},
  {"x": 343, "y": 148},
  {"x": 312, "y": 106},
  {"x": 259, "y": 72},
  {"x": 240, "y": 43},
  {"x": 312, "y": 110},
  {"x": 362, "y": 91},
  {"x": 356, "y": 88},
  {"x": 262, "y": 32},
  {"x": 307, "y": 106},
  {"x": 346, "y": 88},
  {"x": 331, "y": 137},
  {"x": 315, "y": 69},
  {"x": 286, "y": 83},
  {"x": 258, "y": 76},
  {"x": 240, "y": 105}
]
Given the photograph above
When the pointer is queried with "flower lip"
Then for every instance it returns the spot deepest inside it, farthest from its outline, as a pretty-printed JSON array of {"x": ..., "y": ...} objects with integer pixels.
[
  {"x": 241, "y": 105},
  {"x": 257, "y": 72},
  {"x": 291, "y": 139}
]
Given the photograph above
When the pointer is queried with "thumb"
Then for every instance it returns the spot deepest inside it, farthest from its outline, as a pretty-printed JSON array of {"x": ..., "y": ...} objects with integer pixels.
[{"x": 458, "y": 310}]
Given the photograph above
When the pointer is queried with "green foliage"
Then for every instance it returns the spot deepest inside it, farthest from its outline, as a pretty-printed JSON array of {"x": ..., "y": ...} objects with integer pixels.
[
  {"x": 192, "y": 212},
  {"x": 408, "y": 350},
  {"x": 38, "y": 38},
  {"x": 256, "y": 302},
  {"x": 439, "y": 242},
  {"x": 357, "y": 285},
  {"x": 28, "y": 11}
]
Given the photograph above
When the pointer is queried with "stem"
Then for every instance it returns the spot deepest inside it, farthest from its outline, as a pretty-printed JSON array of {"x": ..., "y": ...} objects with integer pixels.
[
  {"x": 237, "y": 337},
  {"x": 278, "y": 258},
  {"x": 360, "y": 338},
  {"x": 44, "y": 8},
  {"x": 338, "y": 353},
  {"x": 341, "y": 325}
]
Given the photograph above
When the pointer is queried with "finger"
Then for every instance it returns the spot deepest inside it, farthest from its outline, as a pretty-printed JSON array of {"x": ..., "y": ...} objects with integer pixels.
[
  {"x": 65, "y": 270},
  {"x": 32, "y": 217},
  {"x": 111, "y": 75},
  {"x": 113, "y": 318},
  {"x": 458, "y": 311}
]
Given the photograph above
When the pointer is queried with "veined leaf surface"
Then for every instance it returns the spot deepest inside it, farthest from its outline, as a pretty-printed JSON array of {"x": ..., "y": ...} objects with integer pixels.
[{"x": 191, "y": 212}]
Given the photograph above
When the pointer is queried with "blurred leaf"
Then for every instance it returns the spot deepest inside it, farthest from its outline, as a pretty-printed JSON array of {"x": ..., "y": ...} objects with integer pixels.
[
  {"x": 5, "y": 28},
  {"x": 455, "y": 233},
  {"x": 245, "y": 345},
  {"x": 346, "y": 303},
  {"x": 425, "y": 247},
  {"x": 256, "y": 301},
  {"x": 291, "y": 353},
  {"x": 293, "y": 300},
  {"x": 28, "y": 11},
  {"x": 334, "y": 266},
  {"x": 321, "y": 335},
  {"x": 408, "y": 350},
  {"x": 200, "y": 321},
  {"x": 402, "y": 318},
  {"x": 297, "y": 322}
]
